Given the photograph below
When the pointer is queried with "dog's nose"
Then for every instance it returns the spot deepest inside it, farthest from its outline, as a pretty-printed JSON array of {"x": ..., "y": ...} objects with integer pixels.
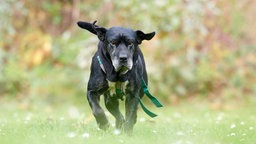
[{"x": 123, "y": 58}]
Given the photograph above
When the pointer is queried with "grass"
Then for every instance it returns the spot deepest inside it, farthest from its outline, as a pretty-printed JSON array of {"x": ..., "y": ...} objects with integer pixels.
[{"x": 188, "y": 123}]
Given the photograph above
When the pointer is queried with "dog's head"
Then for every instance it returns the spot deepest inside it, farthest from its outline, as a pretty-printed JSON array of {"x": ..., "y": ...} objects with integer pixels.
[{"x": 121, "y": 43}]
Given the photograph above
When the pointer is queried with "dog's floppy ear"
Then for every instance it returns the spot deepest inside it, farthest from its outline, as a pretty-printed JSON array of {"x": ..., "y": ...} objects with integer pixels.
[
  {"x": 101, "y": 32},
  {"x": 88, "y": 26},
  {"x": 142, "y": 36},
  {"x": 91, "y": 27}
]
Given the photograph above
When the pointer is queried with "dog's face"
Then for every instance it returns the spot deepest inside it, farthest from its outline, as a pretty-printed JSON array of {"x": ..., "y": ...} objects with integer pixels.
[{"x": 120, "y": 43}]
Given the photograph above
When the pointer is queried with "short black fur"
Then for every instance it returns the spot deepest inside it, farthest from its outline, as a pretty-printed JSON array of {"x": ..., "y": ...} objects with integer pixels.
[{"x": 124, "y": 65}]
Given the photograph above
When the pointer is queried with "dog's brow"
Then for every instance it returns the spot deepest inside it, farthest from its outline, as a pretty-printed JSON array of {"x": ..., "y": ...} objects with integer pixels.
[
  {"x": 122, "y": 37},
  {"x": 127, "y": 37}
]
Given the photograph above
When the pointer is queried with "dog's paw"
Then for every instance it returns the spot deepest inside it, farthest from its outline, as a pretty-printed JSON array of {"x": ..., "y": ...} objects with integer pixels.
[{"x": 104, "y": 126}]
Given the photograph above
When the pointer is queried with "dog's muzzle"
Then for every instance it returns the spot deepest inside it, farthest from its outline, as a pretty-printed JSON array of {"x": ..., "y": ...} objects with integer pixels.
[{"x": 122, "y": 64}]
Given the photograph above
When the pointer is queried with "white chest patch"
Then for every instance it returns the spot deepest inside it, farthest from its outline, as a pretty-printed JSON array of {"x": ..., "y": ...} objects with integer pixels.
[{"x": 116, "y": 85}]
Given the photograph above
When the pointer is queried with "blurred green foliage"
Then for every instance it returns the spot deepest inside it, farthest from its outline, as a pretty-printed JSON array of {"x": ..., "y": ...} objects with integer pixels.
[{"x": 202, "y": 48}]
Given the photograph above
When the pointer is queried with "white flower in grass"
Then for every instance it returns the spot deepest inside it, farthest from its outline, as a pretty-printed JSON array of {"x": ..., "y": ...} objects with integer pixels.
[
  {"x": 220, "y": 117},
  {"x": 233, "y": 134},
  {"x": 61, "y": 118},
  {"x": 180, "y": 133},
  {"x": 28, "y": 118},
  {"x": 251, "y": 128},
  {"x": 73, "y": 112},
  {"x": 71, "y": 135},
  {"x": 233, "y": 126},
  {"x": 242, "y": 123},
  {"x": 117, "y": 132},
  {"x": 142, "y": 119},
  {"x": 177, "y": 115},
  {"x": 85, "y": 135}
]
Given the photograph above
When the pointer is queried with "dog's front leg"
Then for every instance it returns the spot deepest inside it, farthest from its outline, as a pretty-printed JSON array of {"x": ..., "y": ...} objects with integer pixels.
[
  {"x": 112, "y": 104},
  {"x": 131, "y": 107},
  {"x": 98, "y": 112}
]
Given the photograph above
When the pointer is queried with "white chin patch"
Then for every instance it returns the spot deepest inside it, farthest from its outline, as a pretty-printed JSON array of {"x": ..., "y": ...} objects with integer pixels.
[{"x": 123, "y": 69}]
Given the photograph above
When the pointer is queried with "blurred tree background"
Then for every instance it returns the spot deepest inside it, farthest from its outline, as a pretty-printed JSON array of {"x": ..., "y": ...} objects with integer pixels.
[{"x": 203, "y": 48}]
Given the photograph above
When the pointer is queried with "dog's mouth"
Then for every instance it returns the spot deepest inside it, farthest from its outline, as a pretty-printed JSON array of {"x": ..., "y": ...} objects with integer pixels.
[{"x": 123, "y": 68}]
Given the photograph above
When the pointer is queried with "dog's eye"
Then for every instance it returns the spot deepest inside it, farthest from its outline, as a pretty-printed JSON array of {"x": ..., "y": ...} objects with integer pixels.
[
  {"x": 129, "y": 42},
  {"x": 114, "y": 42}
]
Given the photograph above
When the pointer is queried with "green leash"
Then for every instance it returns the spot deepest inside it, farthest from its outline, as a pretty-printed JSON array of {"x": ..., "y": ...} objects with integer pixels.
[
  {"x": 120, "y": 93},
  {"x": 151, "y": 97}
]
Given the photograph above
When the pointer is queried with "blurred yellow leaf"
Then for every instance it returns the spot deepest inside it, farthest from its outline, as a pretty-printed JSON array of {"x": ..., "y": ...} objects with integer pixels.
[{"x": 35, "y": 47}]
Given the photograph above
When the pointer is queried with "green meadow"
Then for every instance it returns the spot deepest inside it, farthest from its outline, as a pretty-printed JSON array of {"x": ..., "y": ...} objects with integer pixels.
[
  {"x": 188, "y": 123},
  {"x": 201, "y": 65}
]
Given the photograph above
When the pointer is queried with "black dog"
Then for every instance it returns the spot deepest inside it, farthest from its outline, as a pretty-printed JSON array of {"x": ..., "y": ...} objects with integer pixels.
[{"x": 117, "y": 70}]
